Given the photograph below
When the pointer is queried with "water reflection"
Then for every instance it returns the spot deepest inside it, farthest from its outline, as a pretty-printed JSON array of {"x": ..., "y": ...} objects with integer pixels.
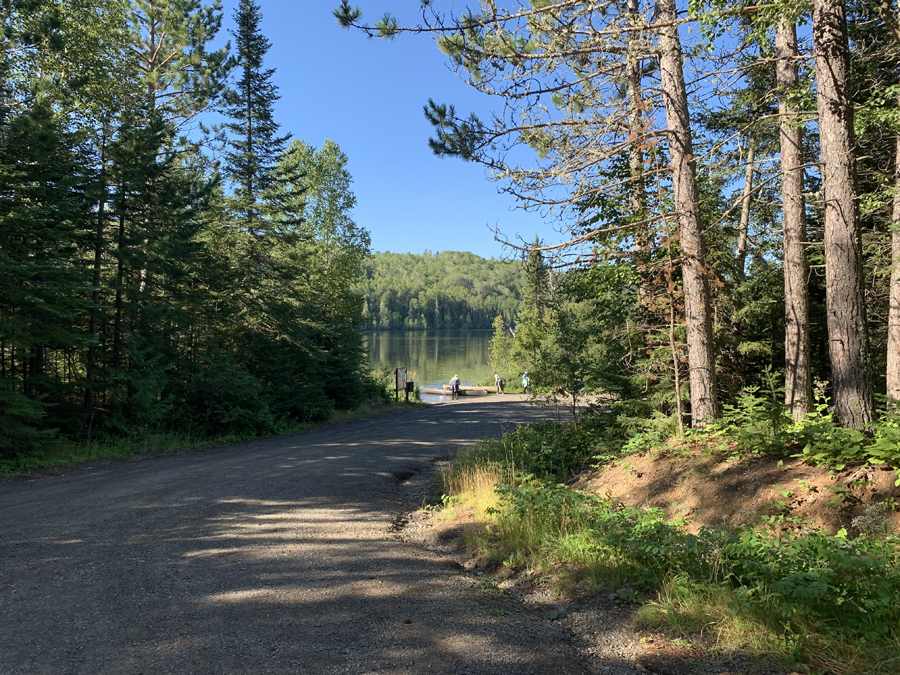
[{"x": 434, "y": 355}]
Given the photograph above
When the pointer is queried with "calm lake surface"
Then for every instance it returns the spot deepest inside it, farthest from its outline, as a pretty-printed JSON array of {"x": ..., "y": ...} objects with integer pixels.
[{"x": 433, "y": 356}]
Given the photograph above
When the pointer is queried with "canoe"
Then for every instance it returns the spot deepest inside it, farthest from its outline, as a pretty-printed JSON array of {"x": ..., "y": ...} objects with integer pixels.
[{"x": 434, "y": 391}]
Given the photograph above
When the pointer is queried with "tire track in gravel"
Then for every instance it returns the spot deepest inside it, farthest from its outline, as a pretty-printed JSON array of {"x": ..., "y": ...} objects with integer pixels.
[{"x": 273, "y": 556}]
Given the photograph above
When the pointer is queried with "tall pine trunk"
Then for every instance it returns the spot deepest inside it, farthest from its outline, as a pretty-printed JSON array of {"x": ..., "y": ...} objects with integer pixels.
[
  {"x": 697, "y": 306},
  {"x": 844, "y": 300},
  {"x": 740, "y": 261},
  {"x": 89, "y": 392},
  {"x": 636, "y": 127},
  {"x": 118, "y": 339},
  {"x": 638, "y": 189},
  {"x": 797, "y": 376},
  {"x": 746, "y": 202},
  {"x": 893, "y": 346}
]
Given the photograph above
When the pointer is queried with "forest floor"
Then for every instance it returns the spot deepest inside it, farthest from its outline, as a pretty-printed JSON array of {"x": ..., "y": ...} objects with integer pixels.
[
  {"x": 312, "y": 553},
  {"x": 705, "y": 488}
]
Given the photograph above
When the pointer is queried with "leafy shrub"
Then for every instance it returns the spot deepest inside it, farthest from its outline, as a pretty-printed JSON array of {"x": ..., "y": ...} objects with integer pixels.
[
  {"x": 21, "y": 419},
  {"x": 378, "y": 385},
  {"x": 546, "y": 449},
  {"x": 838, "y": 584},
  {"x": 759, "y": 423},
  {"x": 221, "y": 397},
  {"x": 140, "y": 400}
]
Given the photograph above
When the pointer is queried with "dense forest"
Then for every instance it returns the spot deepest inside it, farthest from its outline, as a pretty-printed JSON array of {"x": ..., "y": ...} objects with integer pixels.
[
  {"x": 158, "y": 272},
  {"x": 728, "y": 176},
  {"x": 439, "y": 290}
]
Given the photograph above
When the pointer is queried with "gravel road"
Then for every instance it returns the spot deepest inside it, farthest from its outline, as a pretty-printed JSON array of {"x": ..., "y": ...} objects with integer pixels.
[{"x": 273, "y": 556}]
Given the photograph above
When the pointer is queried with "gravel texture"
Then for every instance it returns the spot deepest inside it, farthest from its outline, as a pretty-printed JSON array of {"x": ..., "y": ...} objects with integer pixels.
[
  {"x": 274, "y": 556},
  {"x": 284, "y": 555}
]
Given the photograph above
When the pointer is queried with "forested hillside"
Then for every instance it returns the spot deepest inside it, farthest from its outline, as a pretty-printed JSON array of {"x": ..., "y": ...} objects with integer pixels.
[
  {"x": 155, "y": 276},
  {"x": 440, "y": 290}
]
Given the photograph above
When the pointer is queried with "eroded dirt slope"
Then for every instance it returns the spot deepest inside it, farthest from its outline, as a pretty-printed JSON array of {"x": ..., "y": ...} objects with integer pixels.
[{"x": 711, "y": 490}]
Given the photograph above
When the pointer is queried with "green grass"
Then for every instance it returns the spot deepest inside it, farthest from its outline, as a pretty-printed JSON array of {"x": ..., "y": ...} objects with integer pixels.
[{"x": 813, "y": 601}]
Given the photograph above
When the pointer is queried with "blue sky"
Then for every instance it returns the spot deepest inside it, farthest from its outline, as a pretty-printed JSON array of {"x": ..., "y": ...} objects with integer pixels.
[{"x": 367, "y": 95}]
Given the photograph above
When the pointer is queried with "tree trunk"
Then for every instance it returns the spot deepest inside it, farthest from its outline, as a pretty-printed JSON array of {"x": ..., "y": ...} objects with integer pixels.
[
  {"x": 637, "y": 195},
  {"x": 844, "y": 300},
  {"x": 746, "y": 199},
  {"x": 697, "y": 307},
  {"x": 886, "y": 11},
  {"x": 797, "y": 376},
  {"x": 893, "y": 346},
  {"x": 120, "y": 286},
  {"x": 95, "y": 294},
  {"x": 636, "y": 124}
]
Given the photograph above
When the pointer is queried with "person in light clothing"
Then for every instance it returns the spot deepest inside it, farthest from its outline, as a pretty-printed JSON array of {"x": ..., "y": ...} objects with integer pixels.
[{"x": 454, "y": 387}]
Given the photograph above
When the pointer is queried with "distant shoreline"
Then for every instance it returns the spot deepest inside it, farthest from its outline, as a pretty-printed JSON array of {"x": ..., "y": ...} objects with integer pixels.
[{"x": 421, "y": 330}]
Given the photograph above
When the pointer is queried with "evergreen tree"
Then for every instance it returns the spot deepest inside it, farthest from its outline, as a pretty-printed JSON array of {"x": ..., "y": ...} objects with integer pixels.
[
  {"x": 537, "y": 278},
  {"x": 255, "y": 145},
  {"x": 43, "y": 280},
  {"x": 178, "y": 75},
  {"x": 501, "y": 344}
]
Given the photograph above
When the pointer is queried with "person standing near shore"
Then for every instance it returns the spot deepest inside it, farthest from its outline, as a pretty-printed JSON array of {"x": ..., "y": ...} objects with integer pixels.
[
  {"x": 454, "y": 387},
  {"x": 526, "y": 382},
  {"x": 498, "y": 382}
]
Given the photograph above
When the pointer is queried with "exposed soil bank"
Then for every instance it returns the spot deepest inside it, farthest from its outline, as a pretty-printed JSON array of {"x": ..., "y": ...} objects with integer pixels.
[{"x": 712, "y": 491}]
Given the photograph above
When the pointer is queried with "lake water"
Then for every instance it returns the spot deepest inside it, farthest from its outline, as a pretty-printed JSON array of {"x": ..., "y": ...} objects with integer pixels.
[{"x": 433, "y": 356}]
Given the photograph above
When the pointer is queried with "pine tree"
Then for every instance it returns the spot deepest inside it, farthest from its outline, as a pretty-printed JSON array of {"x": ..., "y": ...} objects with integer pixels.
[
  {"x": 43, "y": 214},
  {"x": 537, "y": 278},
  {"x": 845, "y": 293},
  {"x": 797, "y": 371},
  {"x": 178, "y": 75},
  {"x": 256, "y": 145}
]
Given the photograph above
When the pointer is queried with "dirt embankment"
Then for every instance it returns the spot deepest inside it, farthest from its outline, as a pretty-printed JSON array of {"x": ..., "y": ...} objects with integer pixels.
[{"x": 710, "y": 491}]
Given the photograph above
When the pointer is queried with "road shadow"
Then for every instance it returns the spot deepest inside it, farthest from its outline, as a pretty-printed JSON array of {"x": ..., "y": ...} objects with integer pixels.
[{"x": 274, "y": 556}]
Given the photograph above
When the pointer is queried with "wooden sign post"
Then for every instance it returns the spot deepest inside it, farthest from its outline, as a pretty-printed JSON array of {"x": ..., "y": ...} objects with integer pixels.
[{"x": 400, "y": 382}]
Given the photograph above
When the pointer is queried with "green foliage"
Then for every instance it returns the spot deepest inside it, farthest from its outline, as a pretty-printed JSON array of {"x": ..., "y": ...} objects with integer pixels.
[
  {"x": 255, "y": 145},
  {"x": 141, "y": 400},
  {"x": 761, "y": 424},
  {"x": 136, "y": 297},
  {"x": 757, "y": 421},
  {"x": 221, "y": 396},
  {"x": 379, "y": 386},
  {"x": 841, "y": 586},
  {"x": 180, "y": 77},
  {"x": 537, "y": 279},
  {"x": 21, "y": 419},
  {"x": 791, "y": 583},
  {"x": 439, "y": 290},
  {"x": 501, "y": 348},
  {"x": 547, "y": 449}
]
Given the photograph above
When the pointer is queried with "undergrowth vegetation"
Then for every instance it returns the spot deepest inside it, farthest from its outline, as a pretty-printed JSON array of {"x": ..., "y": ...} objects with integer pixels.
[
  {"x": 758, "y": 423},
  {"x": 811, "y": 599},
  {"x": 57, "y": 450}
]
